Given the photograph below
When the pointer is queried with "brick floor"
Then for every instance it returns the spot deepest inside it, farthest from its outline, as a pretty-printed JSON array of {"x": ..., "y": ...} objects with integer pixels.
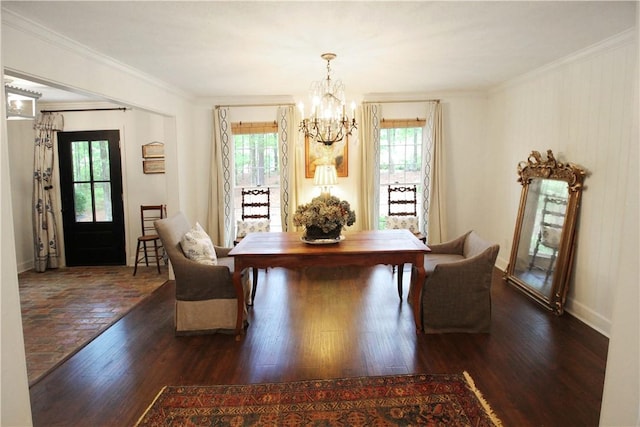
[{"x": 65, "y": 308}]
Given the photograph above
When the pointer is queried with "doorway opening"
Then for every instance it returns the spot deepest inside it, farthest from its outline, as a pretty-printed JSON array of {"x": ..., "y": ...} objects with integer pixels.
[{"x": 91, "y": 195}]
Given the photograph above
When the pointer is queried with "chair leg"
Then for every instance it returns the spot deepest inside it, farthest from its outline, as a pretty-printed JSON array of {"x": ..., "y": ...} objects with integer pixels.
[
  {"x": 135, "y": 267},
  {"x": 156, "y": 254},
  {"x": 146, "y": 257},
  {"x": 400, "y": 272},
  {"x": 255, "y": 285},
  {"x": 552, "y": 260}
]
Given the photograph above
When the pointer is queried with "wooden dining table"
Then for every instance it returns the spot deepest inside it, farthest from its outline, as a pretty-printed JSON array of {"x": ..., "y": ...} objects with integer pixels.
[{"x": 358, "y": 248}]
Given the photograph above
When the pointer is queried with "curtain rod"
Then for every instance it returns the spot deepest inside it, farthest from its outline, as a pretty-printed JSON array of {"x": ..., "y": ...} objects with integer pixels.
[
  {"x": 437, "y": 101},
  {"x": 364, "y": 102},
  {"x": 289, "y": 104},
  {"x": 84, "y": 109}
]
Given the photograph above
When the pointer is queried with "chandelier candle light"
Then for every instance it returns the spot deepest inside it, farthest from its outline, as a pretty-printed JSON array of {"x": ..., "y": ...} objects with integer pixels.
[{"x": 328, "y": 122}]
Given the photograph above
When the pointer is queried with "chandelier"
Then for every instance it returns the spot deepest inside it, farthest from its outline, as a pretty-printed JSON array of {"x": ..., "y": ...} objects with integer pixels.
[{"x": 328, "y": 122}]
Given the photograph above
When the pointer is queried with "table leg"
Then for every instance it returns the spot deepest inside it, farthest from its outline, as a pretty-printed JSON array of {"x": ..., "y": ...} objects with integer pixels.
[
  {"x": 237, "y": 283},
  {"x": 400, "y": 268},
  {"x": 418, "y": 274}
]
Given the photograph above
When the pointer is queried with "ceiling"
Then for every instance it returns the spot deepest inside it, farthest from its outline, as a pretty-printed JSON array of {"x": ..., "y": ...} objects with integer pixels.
[{"x": 253, "y": 49}]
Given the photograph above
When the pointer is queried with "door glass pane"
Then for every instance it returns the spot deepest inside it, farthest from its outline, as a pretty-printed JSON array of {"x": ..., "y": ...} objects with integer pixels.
[
  {"x": 100, "y": 160},
  {"x": 80, "y": 158},
  {"x": 103, "y": 201},
  {"x": 82, "y": 202}
]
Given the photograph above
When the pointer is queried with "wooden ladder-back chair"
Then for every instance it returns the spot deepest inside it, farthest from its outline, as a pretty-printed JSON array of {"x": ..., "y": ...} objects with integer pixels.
[
  {"x": 551, "y": 221},
  {"x": 149, "y": 244},
  {"x": 403, "y": 213},
  {"x": 256, "y": 216}
]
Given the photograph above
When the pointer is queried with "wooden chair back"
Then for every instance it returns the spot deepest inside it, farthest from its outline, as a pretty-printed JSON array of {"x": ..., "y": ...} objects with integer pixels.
[
  {"x": 149, "y": 214},
  {"x": 403, "y": 200},
  {"x": 256, "y": 203}
]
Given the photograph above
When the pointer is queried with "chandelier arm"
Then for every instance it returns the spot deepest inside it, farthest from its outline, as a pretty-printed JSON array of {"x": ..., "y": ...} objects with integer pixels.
[{"x": 328, "y": 123}]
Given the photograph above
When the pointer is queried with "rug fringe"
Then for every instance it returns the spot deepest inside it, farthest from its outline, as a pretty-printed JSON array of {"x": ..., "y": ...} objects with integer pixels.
[
  {"x": 492, "y": 416},
  {"x": 149, "y": 407}
]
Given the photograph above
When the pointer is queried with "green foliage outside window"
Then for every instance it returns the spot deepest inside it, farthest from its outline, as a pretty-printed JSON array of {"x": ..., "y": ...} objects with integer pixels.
[
  {"x": 256, "y": 160},
  {"x": 400, "y": 162},
  {"x": 91, "y": 176}
]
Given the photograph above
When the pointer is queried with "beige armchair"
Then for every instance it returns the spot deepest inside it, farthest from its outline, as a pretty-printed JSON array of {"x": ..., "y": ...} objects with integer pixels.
[
  {"x": 205, "y": 296},
  {"x": 456, "y": 296}
]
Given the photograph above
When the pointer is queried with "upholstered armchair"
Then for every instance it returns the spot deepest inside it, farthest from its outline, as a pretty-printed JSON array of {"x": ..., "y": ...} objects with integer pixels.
[
  {"x": 206, "y": 299},
  {"x": 456, "y": 296}
]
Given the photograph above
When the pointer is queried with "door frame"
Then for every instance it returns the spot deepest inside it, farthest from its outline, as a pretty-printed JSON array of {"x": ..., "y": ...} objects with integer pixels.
[{"x": 123, "y": 222}]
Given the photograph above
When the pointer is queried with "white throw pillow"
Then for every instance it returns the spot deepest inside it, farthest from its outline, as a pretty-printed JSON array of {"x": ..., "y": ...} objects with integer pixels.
[
  {"x": 403, "y": 222},
  {"x": 254, "y": 226},
  {"x": 197, "y": 246},
  {"x": 551, "y": 236}
]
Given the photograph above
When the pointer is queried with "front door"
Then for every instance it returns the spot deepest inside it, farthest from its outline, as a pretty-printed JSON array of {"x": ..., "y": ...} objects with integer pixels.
[{"x": 91, "y": 192}]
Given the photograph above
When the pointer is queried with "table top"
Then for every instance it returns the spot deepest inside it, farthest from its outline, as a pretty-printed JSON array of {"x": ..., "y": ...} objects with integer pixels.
[{"x": 356, "y": 242}]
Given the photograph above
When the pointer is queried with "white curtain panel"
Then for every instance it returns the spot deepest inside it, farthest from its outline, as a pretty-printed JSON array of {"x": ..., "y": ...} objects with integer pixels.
[
  {"x": 221, "y": 218},
  {"x": 44, "y": 219},
  {"x": 288, "y": 136},
  {"x": 433, "y": 209},
  {"x": 369, "y": 135}
]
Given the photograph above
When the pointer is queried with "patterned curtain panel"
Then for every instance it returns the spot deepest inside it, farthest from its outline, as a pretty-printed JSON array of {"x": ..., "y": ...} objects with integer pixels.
[
  {"x": 44, "y": 220},
  {"x": 289, "y": 165},
  {"x": 369, "y": 135},
  {"x": 221, "y": 215},
  {"x": 433, "y": 212}
]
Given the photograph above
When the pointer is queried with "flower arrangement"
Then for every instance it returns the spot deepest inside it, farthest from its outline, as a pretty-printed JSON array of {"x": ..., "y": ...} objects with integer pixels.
[{"x": 327, "y": 213}]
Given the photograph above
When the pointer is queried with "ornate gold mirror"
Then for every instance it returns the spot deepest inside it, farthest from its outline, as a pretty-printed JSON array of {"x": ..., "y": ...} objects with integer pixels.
[{"x": 544, "y": 239}]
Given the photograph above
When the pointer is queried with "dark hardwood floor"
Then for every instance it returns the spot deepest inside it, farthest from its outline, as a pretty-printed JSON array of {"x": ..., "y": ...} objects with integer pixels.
[{"x": 534, "y": 369}]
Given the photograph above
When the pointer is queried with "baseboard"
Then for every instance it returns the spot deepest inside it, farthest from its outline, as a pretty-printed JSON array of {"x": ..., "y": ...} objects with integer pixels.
[
  {"x": 25, "y": 266},
  {"x": 579, "y": 311},
  {"x": 502, "y": 264},
  {"x": 588, "y": 317}
]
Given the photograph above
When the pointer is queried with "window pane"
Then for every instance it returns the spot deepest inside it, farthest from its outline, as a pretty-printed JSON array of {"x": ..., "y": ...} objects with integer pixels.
[
  {"x": 100, "y": 160},
  {"x": 82, "y": 202},
  {"x": 400, "y": 163},
  {"x": 256, "y": 163},
  {"x": 256, "y": 160},
  {"x": 103, "y": 201},
  {"x": 400, "y": 155},
  {"x": 80, "y": 159}
]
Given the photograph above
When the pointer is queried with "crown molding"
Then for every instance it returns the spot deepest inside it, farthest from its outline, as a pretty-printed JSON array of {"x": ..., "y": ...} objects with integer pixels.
[
  {"x": 37, "y": 30},
  {"x": 621, "y": 39}
]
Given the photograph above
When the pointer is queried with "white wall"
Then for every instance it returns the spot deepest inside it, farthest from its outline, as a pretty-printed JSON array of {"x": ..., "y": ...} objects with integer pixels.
[
  {"x": 585, "y": 109},
  {"x": 581, "y": 109},
  {"x": 20, "y": 143},
  {"x": 58, "y": 61},
  {"x": 15, "y": 407},
  {"x": 136, "y": 128},
  {"x": 465, "y": 139}
]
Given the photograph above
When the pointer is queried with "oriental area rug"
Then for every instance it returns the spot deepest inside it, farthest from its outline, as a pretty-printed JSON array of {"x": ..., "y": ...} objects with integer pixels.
[
  {"x": 405, "y": 400},
  {"x": 64, "y": 309}
]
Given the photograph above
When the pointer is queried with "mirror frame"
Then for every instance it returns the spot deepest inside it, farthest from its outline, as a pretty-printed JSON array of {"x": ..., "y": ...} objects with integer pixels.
[{"x": 537, "y": 167}]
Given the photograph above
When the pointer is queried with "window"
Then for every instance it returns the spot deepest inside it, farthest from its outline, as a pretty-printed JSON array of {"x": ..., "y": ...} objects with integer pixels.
[
  {"x": 400, "y": 159},
  {"x": 256, "y": 164}
]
